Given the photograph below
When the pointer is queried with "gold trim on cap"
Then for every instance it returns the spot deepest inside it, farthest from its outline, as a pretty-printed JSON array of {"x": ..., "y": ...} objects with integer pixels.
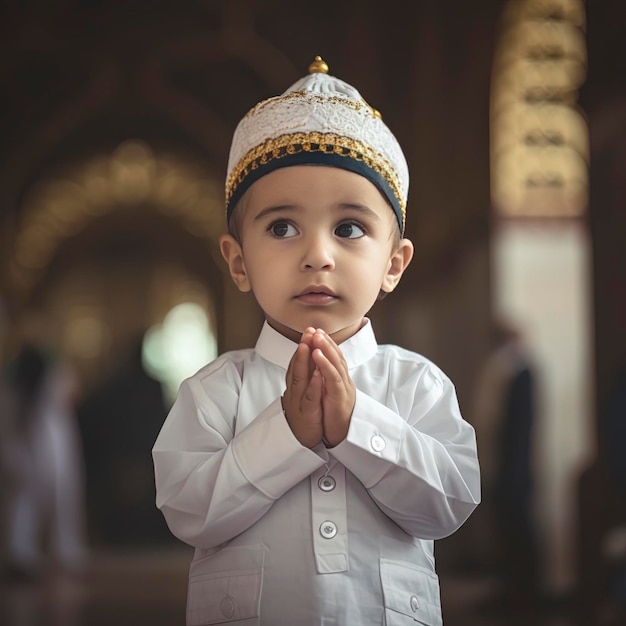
[{"x": 293, "y": 143}]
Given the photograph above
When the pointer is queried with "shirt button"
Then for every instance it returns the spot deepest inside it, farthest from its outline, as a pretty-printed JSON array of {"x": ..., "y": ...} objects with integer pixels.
[
  {"x": 377, "y": 443},
  {"x": 328, "y": 529},
  {"x": 414, "y": 603},
  {"x": 326, "y": 483}
]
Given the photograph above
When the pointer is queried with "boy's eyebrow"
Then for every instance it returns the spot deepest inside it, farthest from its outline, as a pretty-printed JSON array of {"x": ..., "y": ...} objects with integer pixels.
[
  {"x": 355, "y": 206},
  {"x": 274, "y": 209},
  {"x": 361, "y": 208}
]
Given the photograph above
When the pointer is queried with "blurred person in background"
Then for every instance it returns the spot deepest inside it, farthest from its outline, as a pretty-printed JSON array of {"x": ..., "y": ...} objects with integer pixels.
[
  {"x": 119, "y": 421},
  {"x": 41, "y": 465},
  {"x": 504, "y": 414},
  {"x": 5, "y": 435}
]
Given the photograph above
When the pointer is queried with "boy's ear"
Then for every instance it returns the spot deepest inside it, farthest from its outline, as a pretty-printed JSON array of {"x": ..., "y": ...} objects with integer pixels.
[
  {"x": 233, "y": 255},
  {"x": 398, "y": 262}
]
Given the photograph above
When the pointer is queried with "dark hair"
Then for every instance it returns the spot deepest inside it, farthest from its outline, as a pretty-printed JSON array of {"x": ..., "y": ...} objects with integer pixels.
[{"x": 235, "y": 221}]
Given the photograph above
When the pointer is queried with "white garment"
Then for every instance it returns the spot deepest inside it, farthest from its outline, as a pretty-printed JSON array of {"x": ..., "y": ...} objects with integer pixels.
[
  {"x": 43, "y": 497},
  {"x": 288, "y": 536}
]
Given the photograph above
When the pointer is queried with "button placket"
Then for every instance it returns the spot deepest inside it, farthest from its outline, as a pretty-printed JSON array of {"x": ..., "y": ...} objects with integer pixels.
[{"x": 329, "y": 518}]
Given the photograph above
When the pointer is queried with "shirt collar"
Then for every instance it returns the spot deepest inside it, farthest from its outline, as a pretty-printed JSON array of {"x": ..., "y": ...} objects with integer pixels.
[{"x": 277, "y": 349}]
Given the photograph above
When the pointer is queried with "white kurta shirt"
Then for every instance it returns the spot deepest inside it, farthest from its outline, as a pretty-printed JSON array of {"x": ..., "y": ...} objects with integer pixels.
[{"x": 285, "y": 535}]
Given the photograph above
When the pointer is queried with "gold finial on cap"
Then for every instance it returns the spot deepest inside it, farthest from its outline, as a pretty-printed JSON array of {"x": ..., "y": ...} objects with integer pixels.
[{"x": 318, "y": 66}]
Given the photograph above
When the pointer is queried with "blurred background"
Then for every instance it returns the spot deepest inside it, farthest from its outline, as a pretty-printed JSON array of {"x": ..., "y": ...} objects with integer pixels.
[{"x": 115, "y": 125}]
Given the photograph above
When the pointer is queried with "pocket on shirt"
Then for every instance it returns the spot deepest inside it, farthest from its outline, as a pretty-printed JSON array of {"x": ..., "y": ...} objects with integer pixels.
[
  {"x": 225, "y": 587},
  {"x": 411, "y": 594}
]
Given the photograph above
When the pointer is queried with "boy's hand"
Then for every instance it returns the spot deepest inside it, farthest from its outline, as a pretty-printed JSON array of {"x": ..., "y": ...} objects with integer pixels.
[
  {"x": 339, "y": 391},
  {"x": 302, "y": 400}
]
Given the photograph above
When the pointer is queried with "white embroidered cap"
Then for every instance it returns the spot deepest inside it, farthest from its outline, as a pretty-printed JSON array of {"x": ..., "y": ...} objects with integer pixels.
[{"x": 318, "y": 120}]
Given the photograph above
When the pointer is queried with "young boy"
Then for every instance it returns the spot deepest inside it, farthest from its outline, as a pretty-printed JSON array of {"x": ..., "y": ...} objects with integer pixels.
[{"x": 313, "y": 473}]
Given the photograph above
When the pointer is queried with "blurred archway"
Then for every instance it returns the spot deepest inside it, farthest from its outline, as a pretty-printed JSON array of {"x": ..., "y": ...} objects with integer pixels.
[{"x": 105, "y": 248}]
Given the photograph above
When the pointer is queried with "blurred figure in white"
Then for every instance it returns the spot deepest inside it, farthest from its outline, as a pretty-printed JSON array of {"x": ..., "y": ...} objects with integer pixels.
[{"x": 42, "y": 466}]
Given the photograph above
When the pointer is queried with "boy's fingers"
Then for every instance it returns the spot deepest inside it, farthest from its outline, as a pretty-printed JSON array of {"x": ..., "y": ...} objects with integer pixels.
[
  {"x": 311, "y": 400},
  {"x": 333, "y": 380},
  {"x": 332, "y": 354},
  {"x": 305, "y": 413},
  {"x": 307, "y": 336},
  {"x": 299, "y": 370},
  {"x": 327, "y": 345}
]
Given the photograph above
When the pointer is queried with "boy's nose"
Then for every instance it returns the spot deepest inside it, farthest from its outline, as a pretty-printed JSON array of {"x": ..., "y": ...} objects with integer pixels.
[{"x": 318, "y": 254}]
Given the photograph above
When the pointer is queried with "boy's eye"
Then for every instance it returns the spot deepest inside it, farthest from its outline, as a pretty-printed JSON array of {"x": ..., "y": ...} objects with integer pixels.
[
  {"x": 282, "y": 229},
  {"x": 349, "y": 230}
]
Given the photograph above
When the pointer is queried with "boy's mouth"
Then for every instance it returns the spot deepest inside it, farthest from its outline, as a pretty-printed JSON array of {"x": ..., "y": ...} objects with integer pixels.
[{"x": 316, "y": 294}]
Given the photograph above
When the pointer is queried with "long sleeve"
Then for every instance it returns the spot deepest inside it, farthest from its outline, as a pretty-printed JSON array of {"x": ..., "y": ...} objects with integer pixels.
[
  {"x": 214, "y": 480},
  {"x": 417, "y": 459}
]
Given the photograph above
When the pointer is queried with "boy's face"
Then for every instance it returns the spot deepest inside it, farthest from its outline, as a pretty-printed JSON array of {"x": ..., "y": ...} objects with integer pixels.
[{"x": 317, "y": 245}]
